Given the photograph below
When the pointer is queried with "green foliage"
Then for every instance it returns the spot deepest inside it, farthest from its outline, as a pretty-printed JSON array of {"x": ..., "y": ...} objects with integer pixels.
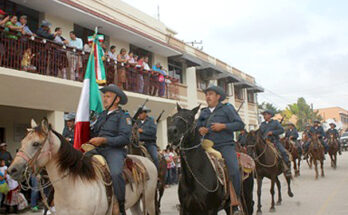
[{"x": 269, "y": 106}]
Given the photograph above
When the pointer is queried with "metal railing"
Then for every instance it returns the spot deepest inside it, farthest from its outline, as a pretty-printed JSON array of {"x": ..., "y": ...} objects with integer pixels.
[{"x": 45, "y": 57}]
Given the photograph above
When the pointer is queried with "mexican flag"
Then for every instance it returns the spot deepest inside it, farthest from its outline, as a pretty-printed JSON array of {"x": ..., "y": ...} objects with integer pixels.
[{"x": 90, "y": 98}]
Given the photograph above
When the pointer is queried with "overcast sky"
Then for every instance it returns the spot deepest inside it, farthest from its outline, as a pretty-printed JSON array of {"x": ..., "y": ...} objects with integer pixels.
[{"x": 295, "y": 48}]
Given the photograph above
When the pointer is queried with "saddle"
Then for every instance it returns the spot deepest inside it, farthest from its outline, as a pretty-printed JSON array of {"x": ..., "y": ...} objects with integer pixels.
[
  {"x": 134, "y": 172},
  {"x": 276, "y": 152}
]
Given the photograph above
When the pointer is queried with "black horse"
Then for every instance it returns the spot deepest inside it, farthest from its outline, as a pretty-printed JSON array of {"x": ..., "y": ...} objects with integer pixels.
[{"x": 199, "y": 189}]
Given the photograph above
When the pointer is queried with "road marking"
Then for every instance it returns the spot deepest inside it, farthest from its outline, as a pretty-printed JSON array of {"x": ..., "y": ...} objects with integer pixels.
[{"x": 331, "y": 197}]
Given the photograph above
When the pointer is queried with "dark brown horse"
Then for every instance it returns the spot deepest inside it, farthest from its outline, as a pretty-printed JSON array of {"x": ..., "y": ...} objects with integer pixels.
[
  {"x": 333, "y": 149},
  {"x": 316, "y": 152},
  {"x": 267, "y": 165},
  {"x": 296, "y": 157}
]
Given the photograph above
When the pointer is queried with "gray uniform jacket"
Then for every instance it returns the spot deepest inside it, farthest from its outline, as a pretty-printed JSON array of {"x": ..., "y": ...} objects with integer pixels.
[
  {"x": 292, "y": 134},
  {"x": 67, "y": 133},
  {"x": 149, "y": 130},
  {"x": 332, "y": 131},
  {"x": 274, "y": 126},
  {"x": 114, "y": 127},
  {"x": 223, "y": 113},
  {"x": 319, "y": 131}
]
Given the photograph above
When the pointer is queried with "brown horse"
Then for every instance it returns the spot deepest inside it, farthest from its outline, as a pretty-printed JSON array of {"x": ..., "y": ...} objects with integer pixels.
[
  {"x": 305, "y": 139},
  {"x": 316, "y": 152},
  {"x": 296, "y": 157},
  {"x": 333, "y": 149},
  {"x": 267, "y": 165}
]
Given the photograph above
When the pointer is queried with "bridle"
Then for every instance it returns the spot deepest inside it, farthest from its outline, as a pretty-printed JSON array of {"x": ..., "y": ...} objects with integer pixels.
[
  {"x": 187, "y": 126},
  {"x": 31, "y": 160}
]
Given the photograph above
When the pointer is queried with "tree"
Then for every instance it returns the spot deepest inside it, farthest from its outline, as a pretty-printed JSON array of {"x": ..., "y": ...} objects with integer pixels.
[
  {"x": 304, "y": 113},
  {"x": 269, "y": 106}
]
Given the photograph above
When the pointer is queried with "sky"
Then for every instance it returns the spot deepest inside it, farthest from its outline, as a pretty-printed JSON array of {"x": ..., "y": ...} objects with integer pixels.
[{"x": 293, "y": 48}]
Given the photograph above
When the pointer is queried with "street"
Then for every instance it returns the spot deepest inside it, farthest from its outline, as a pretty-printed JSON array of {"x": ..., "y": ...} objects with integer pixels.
[{"x": 325, "y": 196}]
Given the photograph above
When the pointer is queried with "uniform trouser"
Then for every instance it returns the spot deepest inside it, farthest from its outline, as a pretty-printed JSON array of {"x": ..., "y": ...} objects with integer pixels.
[
  {"x": 152, "y": 149},
  {"x": 282, "y": 151},
  {"x": 229, "y": 154},
  {"x": 115, "y": 159}
]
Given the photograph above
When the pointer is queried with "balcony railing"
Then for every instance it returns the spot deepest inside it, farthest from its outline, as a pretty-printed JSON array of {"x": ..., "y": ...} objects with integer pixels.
[{"x": 45, "y": 57}]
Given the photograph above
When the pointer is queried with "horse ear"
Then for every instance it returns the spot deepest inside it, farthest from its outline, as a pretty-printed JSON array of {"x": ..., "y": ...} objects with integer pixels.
[
  {"x": 178, "y": 106},
  {"x": 45, "y": 125},
  {"x": 196, "y": 109},
  {"x": 33, "y": 123}
]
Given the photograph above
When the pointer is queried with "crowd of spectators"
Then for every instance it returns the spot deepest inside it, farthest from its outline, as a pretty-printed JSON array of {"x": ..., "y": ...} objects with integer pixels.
[
  {"x": 172, "y": 158},
  {"x": 67, "y": 57}
]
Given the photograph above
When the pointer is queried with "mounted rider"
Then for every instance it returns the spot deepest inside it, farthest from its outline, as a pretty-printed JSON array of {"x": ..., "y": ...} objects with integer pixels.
[
  {"x": 68, "y": 131},
  {"x": 217, "y": 123},
  {"x": 111, "y": 133},
  {"x": 318, "y": 129},
  {"x": 242, "y": 137},
  {"x": 148, "y": 133},
  {"x": 271, "y": 129},
  {"x": 333, "y": 130},
  {"x": 292, "y": 135}
]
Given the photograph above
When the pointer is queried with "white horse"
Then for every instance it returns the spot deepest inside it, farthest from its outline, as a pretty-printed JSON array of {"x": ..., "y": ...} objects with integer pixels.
[{"x": 79, "y": 188}]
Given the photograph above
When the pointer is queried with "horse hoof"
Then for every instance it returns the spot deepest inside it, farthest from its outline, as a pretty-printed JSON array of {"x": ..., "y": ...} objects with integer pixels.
[
  {"x": 322, "y": 175},
  {"x": 272, "y": 210},
  {"x": 279, "y": 203},
  {"x": 290, "y": 194},
  {"x": 259, "y": 213}
]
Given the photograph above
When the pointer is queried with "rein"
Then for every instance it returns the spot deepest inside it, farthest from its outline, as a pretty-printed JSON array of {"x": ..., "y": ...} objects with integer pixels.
[
  {"x": 257, "y": 159},
  {"x": 191, "y": 148}
]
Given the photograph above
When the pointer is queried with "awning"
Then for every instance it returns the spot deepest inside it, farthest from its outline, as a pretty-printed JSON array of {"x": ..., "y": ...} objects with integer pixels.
[
  {"x": 244, "y": 84},
  {"x": 215, "y": 72},
  {"x": 256, "y": 89},
  {"x": 188, "y": 58}
]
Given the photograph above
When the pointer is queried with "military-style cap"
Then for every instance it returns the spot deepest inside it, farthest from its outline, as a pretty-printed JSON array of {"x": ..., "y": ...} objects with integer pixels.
[
  {"x": 332, "y": 124},
  {"x": 218, "y": 90},
  {"x": 269, "y": 112},
  {"x": 115, "y": 89},
  {"x": 3, "y": 144},
  {"x": 316, "y": 121},
  {"x": 69, "y": 116},
  {"x": 291, "y": 124},
  {"x": 308, "y": 125},
  {"x": 145, "y": 109}
]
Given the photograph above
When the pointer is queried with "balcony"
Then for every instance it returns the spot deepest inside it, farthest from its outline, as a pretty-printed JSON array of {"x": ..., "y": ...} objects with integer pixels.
[{"x": 45, "y": 57}]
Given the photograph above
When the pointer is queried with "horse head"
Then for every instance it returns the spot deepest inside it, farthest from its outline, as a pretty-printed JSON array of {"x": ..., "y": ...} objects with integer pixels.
[
  {"x": 35, "y": 151},
  {"x": 182, "y": 124},
  {"x": 252, "y": 138}
]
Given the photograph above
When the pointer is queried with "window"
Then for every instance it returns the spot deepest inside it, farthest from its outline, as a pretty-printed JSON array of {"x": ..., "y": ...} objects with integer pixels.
[
  {"x": 251, "y": 97},
  {"x": 175, "y": 69},
  {"x": 84, "y": 33},
  {"x": 239, "y": 93},
  {"x": 2, "y": 135},
  {"x": 224, "y": 85},
  {"x": 141, "y": 53}
]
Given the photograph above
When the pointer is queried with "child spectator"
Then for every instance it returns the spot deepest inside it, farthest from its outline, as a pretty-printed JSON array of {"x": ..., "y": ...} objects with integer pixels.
[
  {"x": 3, "y": 185},
  {"x": 26, "y": 61},
  {"x": 12, "y": 198}
]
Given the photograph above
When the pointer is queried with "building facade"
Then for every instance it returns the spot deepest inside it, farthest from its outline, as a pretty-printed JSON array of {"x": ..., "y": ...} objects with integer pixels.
[
  {"x": 53, "y": 85},
  {"x": 337, "y": 115}
]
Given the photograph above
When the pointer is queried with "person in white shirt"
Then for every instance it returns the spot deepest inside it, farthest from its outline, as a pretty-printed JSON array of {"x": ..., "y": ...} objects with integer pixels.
[
  {"x": 112, "y": 53},
  {"x": 75, "y": 41}
]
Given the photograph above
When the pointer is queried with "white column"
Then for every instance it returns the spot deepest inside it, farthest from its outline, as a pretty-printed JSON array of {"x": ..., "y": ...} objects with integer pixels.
[
  {"x": 191, "y": 87},
  {"x": 56, "y": 119},
  {"x": 231, "y": 100},
  {"x": 246, "y": 109},
  {"x": 162, "y": 137}
]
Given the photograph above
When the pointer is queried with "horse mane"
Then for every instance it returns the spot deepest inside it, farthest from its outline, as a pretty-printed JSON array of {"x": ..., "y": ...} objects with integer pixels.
[{"x": 74, "y": 161}]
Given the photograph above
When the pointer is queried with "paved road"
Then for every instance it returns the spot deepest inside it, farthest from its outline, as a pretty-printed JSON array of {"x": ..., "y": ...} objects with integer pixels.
[{"x": 325, "y": 196}]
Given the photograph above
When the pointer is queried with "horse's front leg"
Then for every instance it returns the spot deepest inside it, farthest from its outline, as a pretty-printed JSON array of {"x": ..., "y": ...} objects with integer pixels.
[
  {"x": 259, "y": 190},
  {"x": 295, "y": 167},
  {"x": 299, "y": 166},
  {"x": 279, "y": 202},
  {"x": 272, "y": 209},
  {"x": 322, "y": 167},
  {"x": 315, "y": 168}
]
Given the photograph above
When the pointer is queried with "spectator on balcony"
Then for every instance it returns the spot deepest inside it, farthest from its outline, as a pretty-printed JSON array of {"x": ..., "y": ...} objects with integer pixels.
[
  {"x": 59, "y": 38},
  {"x": 45, "y": 32},
  {"x": 146, "y": 63},
  {"x": 121, "y": 72},
  {"x": 26, "y": 61},
  {"x": 11, "y": 26},
  {"x": 3, "y": 18},
  {"x": 154, "y": 81},
  {"x": 112, "y": 53},
  {"x": 75, "y": 41},
  {"x": 23, "y": 20},
  {"x": 140, "y": 76},
  {"x": 88, "y": 47},
  {"x": 131, "y": 72},
  {"x": 162, "y": 82}
]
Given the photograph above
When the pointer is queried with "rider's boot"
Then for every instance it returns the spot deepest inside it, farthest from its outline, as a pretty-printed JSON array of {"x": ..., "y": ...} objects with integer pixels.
[
  {"x": 339, "y": 151},
  {"x": 115, "y": 208},
  {"x": 122, "y": 208}
]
